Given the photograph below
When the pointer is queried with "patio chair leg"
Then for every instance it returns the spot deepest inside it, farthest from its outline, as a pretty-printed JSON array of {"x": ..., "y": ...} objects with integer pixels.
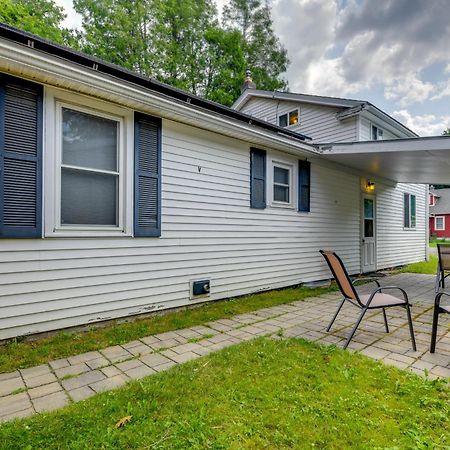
[
  {"x": 435, "y": 323},
  {"x": 385, "y": 320},
  {"x": 355, "y": 327},
  {"x": 411, "y": 329},
  {"x": 336, "y": 314}
]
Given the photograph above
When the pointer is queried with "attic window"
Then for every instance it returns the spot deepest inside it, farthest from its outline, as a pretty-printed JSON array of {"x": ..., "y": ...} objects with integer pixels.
[
  {"x": 377, "y": 133},
  {"x": 289, "y": 119}
]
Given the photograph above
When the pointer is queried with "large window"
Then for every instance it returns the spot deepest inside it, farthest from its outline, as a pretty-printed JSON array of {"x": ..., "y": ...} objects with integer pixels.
[
  {"x": 409, "y": 210},
  {"x": 289, "y": 119},
  {"x": 89, "y": 169},
  {"x": 89, "y": 179}
]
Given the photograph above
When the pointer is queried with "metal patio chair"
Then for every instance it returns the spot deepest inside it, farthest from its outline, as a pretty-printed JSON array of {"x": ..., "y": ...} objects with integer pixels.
[
  {"x": 442, "y": 268},
  {"x": 376, "y": 300}
]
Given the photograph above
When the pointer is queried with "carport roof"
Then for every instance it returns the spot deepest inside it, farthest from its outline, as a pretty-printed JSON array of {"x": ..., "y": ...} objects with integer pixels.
[{"x": 412, "y": 160}]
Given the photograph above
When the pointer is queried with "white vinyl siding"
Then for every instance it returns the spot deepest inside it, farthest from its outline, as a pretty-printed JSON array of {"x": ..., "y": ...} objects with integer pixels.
[
  {"x": 317, "y": 122},
  {"x": 396, "y": 245},
  {"x": 208, "y": 231}
]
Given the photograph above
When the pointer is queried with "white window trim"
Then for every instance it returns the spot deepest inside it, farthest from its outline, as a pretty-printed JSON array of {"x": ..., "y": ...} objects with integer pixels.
[
  {"x": 287, "y": 113},
  {"x": 409, "y": 227},
  {"x": 54, "y": 100},
  {"x": 443, "y": 223},
  {"x": 284, "y": 164},
  {"x": 432, "y": 200}
]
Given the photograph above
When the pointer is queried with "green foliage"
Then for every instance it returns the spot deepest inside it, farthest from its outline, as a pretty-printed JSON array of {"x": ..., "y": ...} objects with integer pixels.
[
  {"x": 262, "y": 394},
  {"x": 41, "y": 17},
  {"x": 177, "y": 42},
  {"x": 18, "y": 355},
  {"x": 446, "y": 132},
  {"x": 264, "y": 55}
]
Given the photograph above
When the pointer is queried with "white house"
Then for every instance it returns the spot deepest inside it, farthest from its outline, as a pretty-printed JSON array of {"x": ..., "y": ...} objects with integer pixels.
[
  {"x": 386, "y": 239},
  {"x": 118, "y": 193}
]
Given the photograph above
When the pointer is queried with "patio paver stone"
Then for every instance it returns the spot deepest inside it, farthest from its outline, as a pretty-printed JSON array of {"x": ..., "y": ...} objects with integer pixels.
[{"x": 53, "y": 385}]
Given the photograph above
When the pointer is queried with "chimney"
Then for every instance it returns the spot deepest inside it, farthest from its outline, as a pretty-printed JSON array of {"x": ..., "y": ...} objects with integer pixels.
[{"x": 248, "y": 83}]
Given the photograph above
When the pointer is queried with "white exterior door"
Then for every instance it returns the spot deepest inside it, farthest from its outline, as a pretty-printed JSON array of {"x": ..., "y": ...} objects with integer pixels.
[{"x": 368, "y": 233}]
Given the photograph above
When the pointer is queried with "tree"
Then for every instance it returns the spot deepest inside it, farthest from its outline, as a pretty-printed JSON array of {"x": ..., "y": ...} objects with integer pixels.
[
  {"x": 446, "y": 132},
  {"x": 264, "y": 54},
  {"x": 41, "y": 17},
  {"x": 178, "y": 42}
]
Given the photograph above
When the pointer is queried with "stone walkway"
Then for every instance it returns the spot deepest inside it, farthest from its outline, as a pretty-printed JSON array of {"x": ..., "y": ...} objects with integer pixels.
[{"x": 60, "y": 382}]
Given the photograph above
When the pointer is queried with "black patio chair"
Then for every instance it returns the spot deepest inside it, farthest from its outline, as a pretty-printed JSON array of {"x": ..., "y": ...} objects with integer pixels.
[
  {"x": 376, "y": 300},
  {"x": 443, "y": 271}
]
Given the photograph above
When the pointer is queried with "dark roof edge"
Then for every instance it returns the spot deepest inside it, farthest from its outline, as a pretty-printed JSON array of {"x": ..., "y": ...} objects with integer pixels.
[{"x": 46, "y": 46}]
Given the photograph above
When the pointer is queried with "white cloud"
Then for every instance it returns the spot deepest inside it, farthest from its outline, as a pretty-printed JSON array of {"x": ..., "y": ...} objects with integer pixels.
[
  {"x": 339, "y": 48},
  {"x": 73, "y": 20},
  {"x": 444, "y": 90},
  {"x": 306, "y": 28},
  {"x": 424, "y": 125},
  {"x": 407, "y": 90}
]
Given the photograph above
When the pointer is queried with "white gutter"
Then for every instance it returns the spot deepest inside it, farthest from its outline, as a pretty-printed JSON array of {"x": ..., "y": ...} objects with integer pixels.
[
  {"x": 48, "y": 69},
  {"x": 393, "y": 145}
]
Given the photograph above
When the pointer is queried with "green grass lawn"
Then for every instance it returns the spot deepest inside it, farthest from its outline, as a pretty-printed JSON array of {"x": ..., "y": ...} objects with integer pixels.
[
  {"x": 19, "y": 355},
  {"x": 435, "y": 241},
  {"x": 428, "y": 267},
  {"x": 262, "y": 394}
]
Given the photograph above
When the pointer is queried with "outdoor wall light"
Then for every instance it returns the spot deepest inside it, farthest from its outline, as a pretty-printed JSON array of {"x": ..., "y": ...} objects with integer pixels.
[{"x": 370, "y": 186}]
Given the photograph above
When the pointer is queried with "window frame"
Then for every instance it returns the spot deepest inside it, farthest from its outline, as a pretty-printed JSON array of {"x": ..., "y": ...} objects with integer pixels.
[
  {"x": 409, "y": 226},
  {"x": 432, "y": 200},
  {"x": 372, "y": 127},
  {"x": 443, "y": 223},
  {"x": 287, "y": 114},
  {"x": 55, "y": 101},
  {"x": 282, "y": 164}
]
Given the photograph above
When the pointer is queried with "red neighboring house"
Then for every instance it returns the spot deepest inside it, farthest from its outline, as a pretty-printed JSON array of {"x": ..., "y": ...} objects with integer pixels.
[{"x": 439, "y": 202}]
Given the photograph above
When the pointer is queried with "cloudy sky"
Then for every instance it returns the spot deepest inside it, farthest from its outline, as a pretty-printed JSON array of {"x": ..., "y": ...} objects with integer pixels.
[{"x": 394, "y": 53}]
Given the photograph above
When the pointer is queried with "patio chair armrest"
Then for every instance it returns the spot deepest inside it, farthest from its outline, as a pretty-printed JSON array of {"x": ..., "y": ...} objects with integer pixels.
[
  {"x": 382, "y": 288},
  {"x": 367, "y": 279},
  {"x": 439, "y": 294}
]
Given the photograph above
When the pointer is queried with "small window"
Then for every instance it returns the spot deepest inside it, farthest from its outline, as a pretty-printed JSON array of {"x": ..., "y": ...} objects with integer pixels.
[
  {"x": 439, "y": 223},
  {"x": 293, "y": 117},
  {"x": 377, "y": 133},
  {"x": 289, "y": 119},
  {"x": 281, "y": 184},
  {"x": 432, "y": 201},
  {"x": 409, "y": 211},
  {"x": 283, "y": 120}
]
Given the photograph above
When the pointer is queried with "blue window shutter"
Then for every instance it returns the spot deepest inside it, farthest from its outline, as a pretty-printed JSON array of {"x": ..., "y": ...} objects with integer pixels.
[
  {"x": 304, "y": 186},
  {"x": 20, "y": 158},
  {"x": 257, "y": 178},
  {"x": 147, "y": 175}
]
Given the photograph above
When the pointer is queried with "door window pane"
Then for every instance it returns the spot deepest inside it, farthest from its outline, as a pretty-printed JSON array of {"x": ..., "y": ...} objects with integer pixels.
[
  {"x": 88, "y": 198},
  {"x": 368, "y": 228},
  {"x": 89, "y": 141},
  {"x": 368, "y": 208}
]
